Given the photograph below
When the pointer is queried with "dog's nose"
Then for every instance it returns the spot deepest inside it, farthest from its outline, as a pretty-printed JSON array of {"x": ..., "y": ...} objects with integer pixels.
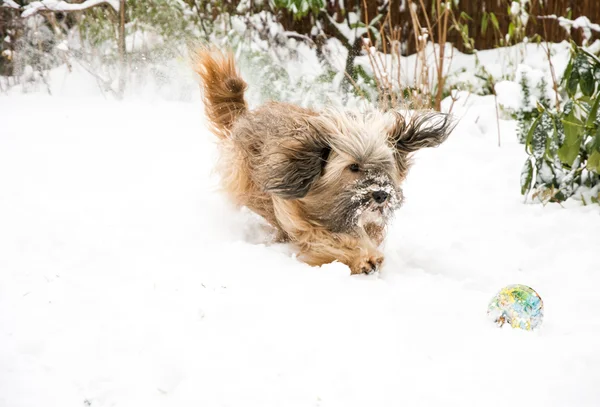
[{"x": 380, "y": 196}]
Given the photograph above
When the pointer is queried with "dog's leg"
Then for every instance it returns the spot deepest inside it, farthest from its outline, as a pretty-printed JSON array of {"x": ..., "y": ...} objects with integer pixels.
[
  {"x": 368, "y": 262},
  {"x": 370, "y": 258},
  {"x": 320, "y": 247}
]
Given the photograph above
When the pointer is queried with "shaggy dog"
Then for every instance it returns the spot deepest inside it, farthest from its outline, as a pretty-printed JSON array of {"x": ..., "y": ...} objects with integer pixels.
[{"x": 327, "y": 181}]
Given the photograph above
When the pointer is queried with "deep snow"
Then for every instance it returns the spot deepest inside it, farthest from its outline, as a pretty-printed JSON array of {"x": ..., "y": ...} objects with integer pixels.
[{"x": 126, "y": 279}]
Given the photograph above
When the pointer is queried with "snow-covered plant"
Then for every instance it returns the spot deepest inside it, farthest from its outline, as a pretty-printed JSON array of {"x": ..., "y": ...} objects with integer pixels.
[
  {"x": 534, "y": 92},
  {"x": 442, "y": 19},
  {"x": 526, "y": 112},
  {"x": 564, "y": 145},
  {"x": 581, "y": 22},
  {"x": 300, "y": 8},
  {"x": 542, "y": 89},
  {"x": 110, "y": 46},
  {"x": 478, "y": 81},
  {"x": 156, "y": 32},
  {"x": 34, "y": 52},
  {"x": 153, "y": 27},
  {"x": 518, "y": 11},
  {"x": 278, "y": 67}
]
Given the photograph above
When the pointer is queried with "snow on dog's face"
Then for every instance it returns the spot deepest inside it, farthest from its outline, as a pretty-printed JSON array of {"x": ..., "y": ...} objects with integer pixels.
[
  {"x": 359, "y": 183},
  {"x": 347, "y": 170}
]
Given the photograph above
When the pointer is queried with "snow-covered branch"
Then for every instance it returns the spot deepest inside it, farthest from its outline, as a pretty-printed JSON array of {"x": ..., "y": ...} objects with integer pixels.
[
  {"x": 580, "y": 22},
  {"x": 10, "y": 4},
  {"x": 60, "y": 5},
  {"x": 301, "y": 37}
]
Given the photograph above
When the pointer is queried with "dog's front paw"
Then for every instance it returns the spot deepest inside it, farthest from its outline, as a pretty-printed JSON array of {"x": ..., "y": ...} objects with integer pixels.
[{"x": 367, "y": 264}]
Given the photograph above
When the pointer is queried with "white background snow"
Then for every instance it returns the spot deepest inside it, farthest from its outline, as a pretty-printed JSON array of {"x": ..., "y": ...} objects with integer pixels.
[{"x": 127, "y": 279}]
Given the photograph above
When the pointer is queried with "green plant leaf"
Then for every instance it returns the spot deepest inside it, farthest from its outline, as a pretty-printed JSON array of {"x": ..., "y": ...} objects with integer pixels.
[
  {"x": 597, "y": 72},
  {"x": 573, "y": 137},
  {"x": 484, "y": 23},
  {"x": 526, "y": 177},
  {"x": 494, "y": 21},
  {"x": 574, "y": 48},
  {"x": 557, "y": 138},
  {"x": 593, "y": 162},
  {"x": 542, "y": 134},
  {"x": 529, "y": 137},
  {"x": 572, "y": 82},
  {"x": 595, "y": 142},
  {"x": 586, "y": 82},
  {"x": 593, "y": 113},
  {"x": 567, "y": 73},
  {"x": 568, "y": 108},
  {"x": 465, "y": 16},
  {"x": 358, "y": 24},
  {"x": 590, "y": 55},
  {"x": 375, "y": 20}
]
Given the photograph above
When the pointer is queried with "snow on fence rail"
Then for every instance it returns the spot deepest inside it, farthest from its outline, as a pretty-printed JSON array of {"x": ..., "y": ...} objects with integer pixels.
[{"x": 55, "y": 5}]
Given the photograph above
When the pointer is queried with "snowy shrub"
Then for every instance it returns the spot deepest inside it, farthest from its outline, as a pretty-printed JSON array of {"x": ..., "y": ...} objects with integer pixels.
[
  {"x": 278, "y": 67},
  {"x": 564, "y": 145},
  {"x": 534, "y": 92},
  {"x": 279, "y": 64},
  {"x": 153, "y": 31},
  {"x": 35, "y": 49},
  {"x": 478, "y": 81},
  {"x": 300, "y": 8}
]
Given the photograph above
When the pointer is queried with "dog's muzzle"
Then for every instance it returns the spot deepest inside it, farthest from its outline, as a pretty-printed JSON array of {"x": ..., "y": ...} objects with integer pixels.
[
  {"x": 380, "y": 196},
  {"x": 375, "y": 198}
]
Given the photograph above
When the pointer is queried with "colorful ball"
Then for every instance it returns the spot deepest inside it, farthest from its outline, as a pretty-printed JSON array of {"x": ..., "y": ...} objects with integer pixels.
[{"x": 517, "y": 305}]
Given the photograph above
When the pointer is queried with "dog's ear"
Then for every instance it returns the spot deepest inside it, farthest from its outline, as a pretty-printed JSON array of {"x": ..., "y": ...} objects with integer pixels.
[
  {"x": 419, "y": 131},
  {"x": 295, "y": 163}
]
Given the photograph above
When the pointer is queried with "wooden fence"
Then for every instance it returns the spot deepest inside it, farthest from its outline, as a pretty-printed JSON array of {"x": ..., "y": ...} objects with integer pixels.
[{"x": 548, "y": 29}]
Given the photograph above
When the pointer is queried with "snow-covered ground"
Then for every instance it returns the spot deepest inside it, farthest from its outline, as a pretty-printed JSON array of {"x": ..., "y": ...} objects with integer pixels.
[{"x": 126, "y": 279}]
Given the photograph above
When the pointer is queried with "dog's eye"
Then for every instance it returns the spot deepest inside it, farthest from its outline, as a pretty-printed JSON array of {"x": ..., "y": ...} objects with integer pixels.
[
  {"x": 354, "y": 167},
  {"x": 325, "y": 155}
]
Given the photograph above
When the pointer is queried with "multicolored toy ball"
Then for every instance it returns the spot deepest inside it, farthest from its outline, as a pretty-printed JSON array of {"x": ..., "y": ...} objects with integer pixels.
[{"x": 517, "y": 305}]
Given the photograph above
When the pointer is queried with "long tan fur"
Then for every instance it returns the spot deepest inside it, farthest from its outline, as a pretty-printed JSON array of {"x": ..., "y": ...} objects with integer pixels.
[
  {"x": 328, "y": 181},
  {"x": 223, "y": 89}
]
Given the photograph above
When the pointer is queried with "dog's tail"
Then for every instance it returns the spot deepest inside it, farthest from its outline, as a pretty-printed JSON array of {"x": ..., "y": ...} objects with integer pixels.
[{"x": 223, "y": 89}]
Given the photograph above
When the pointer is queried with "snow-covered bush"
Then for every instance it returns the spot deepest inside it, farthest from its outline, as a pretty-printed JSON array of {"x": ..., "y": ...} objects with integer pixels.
[
  {"x": 88, "y": 34},
  {"x": 300, "y": 8},
  {"x": 534, "y": 92},
  {"x": 280, "y": 64},
  {"x": 564, "y": 145}
]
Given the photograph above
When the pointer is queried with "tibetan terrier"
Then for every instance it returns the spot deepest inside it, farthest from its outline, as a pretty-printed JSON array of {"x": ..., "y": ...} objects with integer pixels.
[{"x": 328, "y": 181}]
